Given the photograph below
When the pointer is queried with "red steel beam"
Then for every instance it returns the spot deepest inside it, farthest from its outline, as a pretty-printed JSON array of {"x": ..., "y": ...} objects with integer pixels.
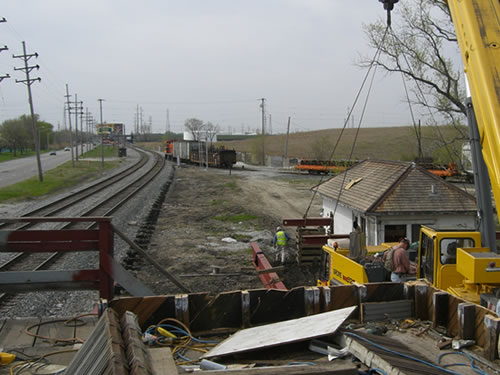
[
  {"x": 270, "y": 280},
  {"x": 48, "y": 235},
  {"x": 100, "y": 240},
  {"x": 310, "y": 221},
  {"x": 320, "y": 239}
]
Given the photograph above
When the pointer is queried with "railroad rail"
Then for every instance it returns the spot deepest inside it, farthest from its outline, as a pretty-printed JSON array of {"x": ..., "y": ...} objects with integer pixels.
[
  {"x": 55, "y": 207},
  {"x": 37, "y": 261}
]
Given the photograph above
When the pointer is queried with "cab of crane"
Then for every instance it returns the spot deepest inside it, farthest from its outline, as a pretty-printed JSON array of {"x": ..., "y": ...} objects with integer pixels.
[{"x": 437, "y": 254}]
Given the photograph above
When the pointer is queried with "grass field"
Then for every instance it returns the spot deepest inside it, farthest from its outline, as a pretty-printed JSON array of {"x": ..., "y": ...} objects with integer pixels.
[
  {"x": 395, "y": 143},
  {"x": 55, "y": 180}
]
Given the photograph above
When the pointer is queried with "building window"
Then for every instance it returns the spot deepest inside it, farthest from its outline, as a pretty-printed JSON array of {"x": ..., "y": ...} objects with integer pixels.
[{"x": 394, "y": 233}]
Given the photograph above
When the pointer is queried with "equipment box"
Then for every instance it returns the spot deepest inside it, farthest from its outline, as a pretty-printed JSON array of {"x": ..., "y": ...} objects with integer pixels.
[{"x": 375, "y": 272}]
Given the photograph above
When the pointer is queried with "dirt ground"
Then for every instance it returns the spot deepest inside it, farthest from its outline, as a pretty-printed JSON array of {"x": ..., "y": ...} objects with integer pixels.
[{"x": 209, "y": 218}]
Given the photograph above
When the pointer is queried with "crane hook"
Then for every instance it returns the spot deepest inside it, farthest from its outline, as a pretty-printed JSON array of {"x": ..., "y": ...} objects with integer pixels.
[{"x": 388, "y": 5}]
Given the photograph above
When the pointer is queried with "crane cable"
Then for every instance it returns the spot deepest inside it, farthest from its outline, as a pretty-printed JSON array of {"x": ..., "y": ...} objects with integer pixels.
[
  {"x": 373, "y": 64},
  {"x": 396, "y": 39}
]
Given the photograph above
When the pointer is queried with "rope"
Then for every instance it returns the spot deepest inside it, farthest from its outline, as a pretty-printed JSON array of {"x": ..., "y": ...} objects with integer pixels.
[
  {"x": 396, "y": 39},
  {"x": 346, "y": 122},
  {"x": 66, "y": 322}
]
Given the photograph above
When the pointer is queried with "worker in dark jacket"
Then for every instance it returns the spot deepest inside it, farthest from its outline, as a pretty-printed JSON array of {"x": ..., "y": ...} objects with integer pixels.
[{"x": 280, "y": 242}]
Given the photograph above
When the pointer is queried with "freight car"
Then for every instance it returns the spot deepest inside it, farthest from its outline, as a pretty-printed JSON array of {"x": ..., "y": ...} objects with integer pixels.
[{"x": 193, "y": 151}]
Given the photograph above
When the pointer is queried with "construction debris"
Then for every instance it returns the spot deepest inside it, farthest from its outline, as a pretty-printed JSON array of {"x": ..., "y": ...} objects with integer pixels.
[{"x": 285, "y": 332}]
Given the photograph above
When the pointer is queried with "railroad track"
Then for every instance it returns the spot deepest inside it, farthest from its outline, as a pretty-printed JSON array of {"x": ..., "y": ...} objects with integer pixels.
[
  {"x": 105, "y": 207},
  {"x": 59, "y": 205}
]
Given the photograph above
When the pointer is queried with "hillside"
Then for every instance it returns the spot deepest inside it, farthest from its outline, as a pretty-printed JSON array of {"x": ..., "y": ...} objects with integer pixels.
[{"x": 395, "y": 143}]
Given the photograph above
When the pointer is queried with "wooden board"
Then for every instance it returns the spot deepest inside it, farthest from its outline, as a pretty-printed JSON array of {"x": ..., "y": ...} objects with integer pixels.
[
  {"x": 282, "y": 333},
  {"x": 335, "y": 368},
  {"x": 162, "y": 361}
]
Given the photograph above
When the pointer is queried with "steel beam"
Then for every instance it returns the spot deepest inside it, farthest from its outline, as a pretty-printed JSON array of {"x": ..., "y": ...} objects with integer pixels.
[
  {"x": 270, "y": 280},
  {"x": 308, "y": 222},
  {"x": 320, "y": 239}
]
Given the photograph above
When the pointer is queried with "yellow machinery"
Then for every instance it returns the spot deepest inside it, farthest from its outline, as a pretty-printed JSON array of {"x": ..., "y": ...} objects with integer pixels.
[{"x": 451, "y": 260}]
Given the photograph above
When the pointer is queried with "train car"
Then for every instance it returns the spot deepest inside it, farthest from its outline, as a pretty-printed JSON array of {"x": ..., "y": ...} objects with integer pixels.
[{"x": 193, "y": 151}]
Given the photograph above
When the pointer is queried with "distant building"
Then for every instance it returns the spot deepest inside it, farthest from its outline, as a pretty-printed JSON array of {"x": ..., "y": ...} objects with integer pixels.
[{"x": 391, "y": 200}]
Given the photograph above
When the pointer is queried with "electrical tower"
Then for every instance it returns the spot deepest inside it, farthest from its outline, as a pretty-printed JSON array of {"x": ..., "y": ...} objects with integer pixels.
[{"x": 28, "y": 82}]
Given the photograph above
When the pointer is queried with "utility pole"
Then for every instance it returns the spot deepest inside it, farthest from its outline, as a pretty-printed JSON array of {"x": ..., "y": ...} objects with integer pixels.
[
  {"x": 262, "y": 106},
  {"x": 76, "y": 128},
  {"x": 80, "y": 109},
  {"x": 70, "y": 130},
  {"x": 102, "y": 134},
  {"x": 137, "y": 121},
  {"x": 28, "y": 82},
  {"x": 87, "y": 127},
  {"x": 168, "y": 123},
  {"x": 285, "y": 161}
]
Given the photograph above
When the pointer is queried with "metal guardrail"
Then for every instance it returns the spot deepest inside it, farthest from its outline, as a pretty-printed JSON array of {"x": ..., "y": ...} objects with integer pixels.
[{"x": 99, "y": 240}]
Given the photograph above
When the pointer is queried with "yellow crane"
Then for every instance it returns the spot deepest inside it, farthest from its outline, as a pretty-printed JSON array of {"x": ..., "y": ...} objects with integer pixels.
[{"x": 464, "y": 263}]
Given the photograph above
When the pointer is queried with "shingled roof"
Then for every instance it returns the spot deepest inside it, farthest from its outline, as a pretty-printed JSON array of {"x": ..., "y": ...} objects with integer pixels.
[{"x": 388, "y": 187}]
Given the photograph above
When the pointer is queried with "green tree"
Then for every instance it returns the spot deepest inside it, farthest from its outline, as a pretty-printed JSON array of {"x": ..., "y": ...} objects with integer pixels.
[
  {"x": 15, "y": 135},
  {"x": 422, "y": 32}
]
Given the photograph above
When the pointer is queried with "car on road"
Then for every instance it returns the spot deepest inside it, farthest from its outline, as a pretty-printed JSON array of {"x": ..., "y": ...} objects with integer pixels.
[
  {"x": 67, "y": 149},
  {"x": 53, "y": 153}
]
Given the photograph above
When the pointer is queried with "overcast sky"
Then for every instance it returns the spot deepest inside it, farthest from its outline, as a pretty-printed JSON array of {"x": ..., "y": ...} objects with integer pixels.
[{"x": 209, "y": 59}]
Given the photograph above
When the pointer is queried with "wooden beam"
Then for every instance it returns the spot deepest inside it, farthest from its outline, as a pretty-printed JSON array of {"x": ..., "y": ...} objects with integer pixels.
[
  {"x": 466, "y": 321},
  {"x": 492, "y": 330},
  {"x": 440, "y": 309},
  {"x": 421, "y": 299}
]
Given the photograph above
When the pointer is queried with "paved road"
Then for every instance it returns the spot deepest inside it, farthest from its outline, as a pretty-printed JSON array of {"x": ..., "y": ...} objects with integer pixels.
[{"x": 14, "y": 171}]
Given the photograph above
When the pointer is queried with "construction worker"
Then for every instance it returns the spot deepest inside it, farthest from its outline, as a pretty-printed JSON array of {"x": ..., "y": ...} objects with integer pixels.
[
  {"x": 280, "y": 241},
  {"x": 357, "y": 243},
  {"x": 396, "y": 261}
]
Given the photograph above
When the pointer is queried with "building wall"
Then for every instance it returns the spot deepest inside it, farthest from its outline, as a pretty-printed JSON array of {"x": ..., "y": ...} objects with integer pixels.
[
  {"x": 342, "y": 222},
  {"x": 438, "y": 221},
  {"x": 375, "y": 225}
]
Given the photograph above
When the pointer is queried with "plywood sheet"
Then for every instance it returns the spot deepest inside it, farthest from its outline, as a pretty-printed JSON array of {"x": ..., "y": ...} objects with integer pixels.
[{"x": 282, "y": 333}]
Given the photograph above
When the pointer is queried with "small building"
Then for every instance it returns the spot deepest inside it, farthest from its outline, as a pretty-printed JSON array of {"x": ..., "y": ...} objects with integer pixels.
[{"x": 391, "y": 200}]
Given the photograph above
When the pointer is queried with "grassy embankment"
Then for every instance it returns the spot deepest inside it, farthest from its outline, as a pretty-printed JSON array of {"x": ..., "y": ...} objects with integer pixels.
[
  {"x": 386, "y": 143},
  {"x": 61, "y": 177},
  {"x": 6, "y": 156}
]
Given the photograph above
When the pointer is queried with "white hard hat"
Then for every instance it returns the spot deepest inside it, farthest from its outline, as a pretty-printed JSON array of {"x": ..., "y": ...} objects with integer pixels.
[{"x": 278, "y": 228}]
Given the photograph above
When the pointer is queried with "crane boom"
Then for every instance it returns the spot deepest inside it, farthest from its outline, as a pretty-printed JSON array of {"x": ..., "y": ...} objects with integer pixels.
[{"x": 477, "y": 25}]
